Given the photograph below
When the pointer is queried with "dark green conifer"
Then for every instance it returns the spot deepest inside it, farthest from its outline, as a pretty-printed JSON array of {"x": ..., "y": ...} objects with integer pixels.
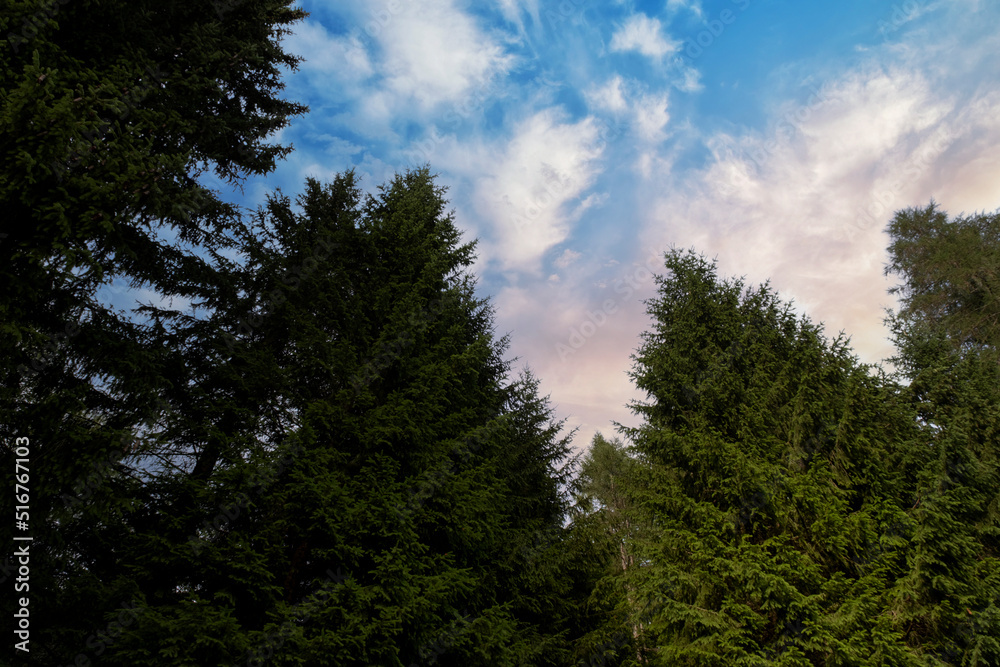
[
  {"x": 769, "y": 493},
  {"x": 108, "y": 113},
  {"x": 947, "y": 336},
  {"x": 384, "y": 494}
]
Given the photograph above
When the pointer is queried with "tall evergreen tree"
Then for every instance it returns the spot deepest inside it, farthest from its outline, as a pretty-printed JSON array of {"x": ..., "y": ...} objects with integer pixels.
[
  {"x": 772, "y": 503},
  {"x": 108, "y": 113},
  {"x": 381, "y": 494},
  {"x": 947, "y": 335},
  {"x": 948, "y": 598}
]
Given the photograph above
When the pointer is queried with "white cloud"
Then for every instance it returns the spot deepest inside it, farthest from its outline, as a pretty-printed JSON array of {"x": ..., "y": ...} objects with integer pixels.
[
  {"x": 433, "y": 52},
  {"x": 529, "y": 182},
  {"x": 590, "y": 201},
  {"x": 651, "y": 117},
  {"x": 343, "y": 57},
  {"x": 805, "y": 203},
  {"x": 688, "y": 80},
  {"x": 513, "y": 9},
  {"x": 648, "y": 110},
  {"x": 567, "y": 258},
  {"x": 645, "y": 35},
  {"x": 608, "y": 97},
  {"x": 694, "y": 6},
  {"x": 399, "y": 61}
]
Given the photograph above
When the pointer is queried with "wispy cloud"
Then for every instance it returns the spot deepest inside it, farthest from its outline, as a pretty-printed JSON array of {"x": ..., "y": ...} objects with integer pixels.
[
  {"x": 531, "y": 181},
  {"x": 567, "y": 258},
  {"x": 651, "y": 117},
  {"x": 646, "y": 112},
  {"x": 806, "y": 203},
  {"x": 514, "y": 11},
  {"x": 693, "y": 6},
  {"x": 608, "y": 97},
  {"x": 645, "y": 35},
  {"x": 573, "y": 163}
]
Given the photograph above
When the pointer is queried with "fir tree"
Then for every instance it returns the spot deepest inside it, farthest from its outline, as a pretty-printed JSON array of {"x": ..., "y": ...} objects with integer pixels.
[
  {"x": 947, "y": 337},
  {"x": 109, "y": 112},
  {"x": 772, "y": 504},
  {"x": 382, "y": 492}
]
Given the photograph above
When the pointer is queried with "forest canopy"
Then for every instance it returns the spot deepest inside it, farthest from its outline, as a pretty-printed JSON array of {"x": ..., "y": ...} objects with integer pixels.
[{"x": 310, "y": 446}]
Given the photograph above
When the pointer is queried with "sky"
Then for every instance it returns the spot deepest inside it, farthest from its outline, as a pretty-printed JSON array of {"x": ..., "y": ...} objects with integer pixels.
[{"x": 579, "y": 140}]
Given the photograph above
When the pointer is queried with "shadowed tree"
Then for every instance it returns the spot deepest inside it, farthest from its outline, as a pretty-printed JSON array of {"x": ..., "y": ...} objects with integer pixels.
[
  {"x": 417, "y": 513},
  {"x": 109, "y": 112}
]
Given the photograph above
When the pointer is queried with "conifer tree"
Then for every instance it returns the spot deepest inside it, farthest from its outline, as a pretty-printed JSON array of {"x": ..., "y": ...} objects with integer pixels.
[
  {"x": 948, "y": 599},
  {"x": 324, "y": 461},
  {"x": 108, "y": 114},
  {"x": 382, "y": 494},
  {"x": 773, "y": 505},
  {"x": 947, "y": 336}
]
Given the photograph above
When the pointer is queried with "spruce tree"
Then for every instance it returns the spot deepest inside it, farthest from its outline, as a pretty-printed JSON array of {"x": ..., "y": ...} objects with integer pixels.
[
  {"x": 383, "y": 492},
  {"x": 947, "y": 601},
  {"x": 109, "y": 112},
  {"x": 771, "y": 488},
  {"x": 947, "y": 335}
]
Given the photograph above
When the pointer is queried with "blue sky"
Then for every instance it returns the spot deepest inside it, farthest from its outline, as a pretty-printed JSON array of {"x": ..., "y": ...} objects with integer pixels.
[{"x": 580, "y": 139}]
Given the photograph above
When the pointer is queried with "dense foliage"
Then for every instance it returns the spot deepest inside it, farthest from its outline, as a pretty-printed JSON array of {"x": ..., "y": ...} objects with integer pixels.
[
  {"x": 306, "y": 444},
  {"x": 109, "y": 111},
  {"x": 308, "y": 447},
  {"x": 950, "y": 272},
  {"x": 790, "y": 506}
]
